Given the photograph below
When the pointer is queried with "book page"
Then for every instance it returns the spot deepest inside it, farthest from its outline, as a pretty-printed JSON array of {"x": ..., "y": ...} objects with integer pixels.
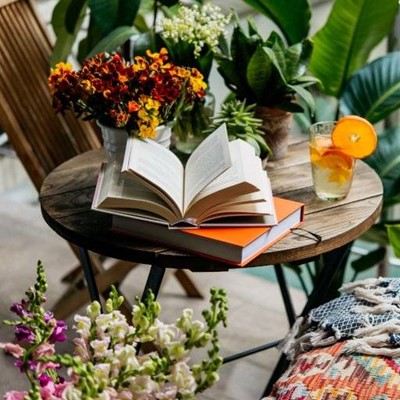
[
  {"x": 117, "y": 192},
  {"x": 244, "y": 176},
  {"x": 209, "y": 160},
  {"x": 156, "y": 167}
]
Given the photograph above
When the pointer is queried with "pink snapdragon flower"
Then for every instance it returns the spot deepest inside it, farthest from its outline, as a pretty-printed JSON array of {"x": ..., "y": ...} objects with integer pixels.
[
  {"x": 15, "y": 395},
  {"x": 14, "y": 349}
]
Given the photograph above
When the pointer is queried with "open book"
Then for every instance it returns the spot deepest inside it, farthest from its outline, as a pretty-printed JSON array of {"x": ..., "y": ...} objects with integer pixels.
[{"x": 223, "y": 183}]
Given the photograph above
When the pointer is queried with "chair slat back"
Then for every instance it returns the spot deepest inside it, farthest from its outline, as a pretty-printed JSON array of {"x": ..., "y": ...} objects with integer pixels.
[{"x": 41, "y": 139}]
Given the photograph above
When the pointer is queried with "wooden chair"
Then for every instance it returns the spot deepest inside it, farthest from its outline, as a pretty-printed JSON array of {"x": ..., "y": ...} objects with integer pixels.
[{"x": 42, "y": 139}]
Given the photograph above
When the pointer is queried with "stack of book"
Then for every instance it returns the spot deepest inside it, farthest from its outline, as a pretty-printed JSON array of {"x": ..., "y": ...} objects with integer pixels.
[{"x": 218, "y": 205}]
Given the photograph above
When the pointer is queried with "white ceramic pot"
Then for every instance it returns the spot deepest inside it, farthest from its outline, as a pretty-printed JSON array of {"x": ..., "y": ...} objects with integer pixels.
[{"x": 114, "y": 139}]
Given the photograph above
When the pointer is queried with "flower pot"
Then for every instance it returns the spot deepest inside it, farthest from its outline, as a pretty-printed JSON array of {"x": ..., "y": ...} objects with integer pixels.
[
  {"x": 114, "y": 139},
  {"x": 276, "y": 125}
]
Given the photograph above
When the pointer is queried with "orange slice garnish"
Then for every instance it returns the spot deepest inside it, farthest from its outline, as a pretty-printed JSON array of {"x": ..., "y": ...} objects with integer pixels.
[{"x": 354, "y": 136}]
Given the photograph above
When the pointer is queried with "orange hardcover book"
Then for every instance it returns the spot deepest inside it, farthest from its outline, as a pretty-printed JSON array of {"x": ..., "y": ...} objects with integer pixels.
[{"x": 236, "y": 246}]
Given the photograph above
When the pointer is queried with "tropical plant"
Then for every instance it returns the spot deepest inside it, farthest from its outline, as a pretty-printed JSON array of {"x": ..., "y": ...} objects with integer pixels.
[
  {"x": 241, "y": 124},
  {"x": 351, "y": 84},
  {"x": 110, "y": 26},
  {"x": 267, "y": 71}
]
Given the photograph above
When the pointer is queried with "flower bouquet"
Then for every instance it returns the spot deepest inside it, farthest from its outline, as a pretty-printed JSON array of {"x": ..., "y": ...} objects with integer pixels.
[
  {"x": 108, "y": 361},
  {"x": 136, "y": 96},
  {"x": 192, "y": 37}
]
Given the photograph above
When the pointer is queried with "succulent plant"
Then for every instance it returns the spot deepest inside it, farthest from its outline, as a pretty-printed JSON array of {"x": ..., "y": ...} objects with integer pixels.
[{"x": 241, "y": 124}]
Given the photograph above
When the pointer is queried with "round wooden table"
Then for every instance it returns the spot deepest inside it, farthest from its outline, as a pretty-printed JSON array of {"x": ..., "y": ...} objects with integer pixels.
[
  {"x": 66, "y": 197},
  {"x": 67, "y": 192}
]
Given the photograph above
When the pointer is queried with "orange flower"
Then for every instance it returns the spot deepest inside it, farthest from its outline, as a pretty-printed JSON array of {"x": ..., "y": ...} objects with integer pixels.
[{"x": 138, "y": 96}]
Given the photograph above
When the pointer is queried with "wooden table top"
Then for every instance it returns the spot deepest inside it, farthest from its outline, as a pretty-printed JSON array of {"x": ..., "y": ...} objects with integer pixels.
[{"x": 67, "y": 193}]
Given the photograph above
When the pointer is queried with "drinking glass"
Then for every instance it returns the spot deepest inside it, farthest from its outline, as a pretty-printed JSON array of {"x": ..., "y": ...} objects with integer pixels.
[{"x": 332, "y": 170}]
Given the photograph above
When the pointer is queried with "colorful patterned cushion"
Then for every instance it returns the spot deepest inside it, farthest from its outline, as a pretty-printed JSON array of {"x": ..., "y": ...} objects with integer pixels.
[{"x": 328, "y": 374}]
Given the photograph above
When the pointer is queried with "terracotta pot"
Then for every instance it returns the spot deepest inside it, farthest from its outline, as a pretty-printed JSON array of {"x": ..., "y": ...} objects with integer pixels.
[{"x": 276, "y": 126}]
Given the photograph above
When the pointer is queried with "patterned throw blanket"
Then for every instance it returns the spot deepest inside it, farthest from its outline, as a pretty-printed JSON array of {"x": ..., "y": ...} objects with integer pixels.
[{"x": 367, "y": 314}]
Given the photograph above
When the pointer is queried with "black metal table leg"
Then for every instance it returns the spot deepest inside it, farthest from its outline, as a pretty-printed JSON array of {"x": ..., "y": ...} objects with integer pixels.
[
  {"x": 154, "y": 281},
  {"x": 333, "y": 262},
  {"x": 287, "y": 300},
  {"x": 89, "y": 275}
]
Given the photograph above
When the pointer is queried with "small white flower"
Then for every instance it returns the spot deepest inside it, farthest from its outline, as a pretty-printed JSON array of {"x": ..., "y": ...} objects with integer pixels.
[
  {"x": 82, "y": 325},
  {"x": 142, "y": 385},
  {"x": 125, "y": 357},
  {"x": 182, "y": 377},
  {"x": 100, "y": 347},
  {"x": 70, "y": 393},
  {"x": 198, "y": 26},
  {"x": 102, "y": 371}
]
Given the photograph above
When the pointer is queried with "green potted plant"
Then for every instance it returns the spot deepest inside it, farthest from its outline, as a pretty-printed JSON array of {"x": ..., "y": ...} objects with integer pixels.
[
  {"x": 270, "y": 74},
  {"x": 241, "y": 124},
  {"x": 352, "y": 84}
]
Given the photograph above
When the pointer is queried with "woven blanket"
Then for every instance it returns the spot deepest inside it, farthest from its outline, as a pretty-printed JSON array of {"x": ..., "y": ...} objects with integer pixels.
[
  {"x": 367, "y": 314},
  {"x": 328, "y": 373}
]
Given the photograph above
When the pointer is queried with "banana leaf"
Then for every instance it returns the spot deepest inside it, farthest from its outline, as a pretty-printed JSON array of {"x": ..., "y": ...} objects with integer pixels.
[
  {"x": 386, "y": 162},
  {"x": 291, "y": 16},
  {"x": 373, "y": 92},
  {"x": 345, "y": 42},
  {"x": 66, "y": 20}
]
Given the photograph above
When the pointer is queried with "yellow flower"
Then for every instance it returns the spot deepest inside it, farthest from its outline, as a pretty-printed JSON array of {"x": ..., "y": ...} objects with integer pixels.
[
  {"x": 87, "y": 86},
  {"x": 197, "y": 83},
  {"x": 61, "y": 68},
  {"x": 147, "y": 131}
]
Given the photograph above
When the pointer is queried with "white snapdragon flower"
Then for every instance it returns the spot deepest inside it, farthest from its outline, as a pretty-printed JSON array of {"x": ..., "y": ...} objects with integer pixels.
[
  {"x": 119, "y": 328},
  {"x": 71, "y": 393},
  {"x": 103, "y": 323},
  {"x": 109, "y": 394},
  {"x": 172, "y": 338},
  {"x": 100, "y": 347},
  {"x": 125, "y": 357},
  {"x": 102, "y": 371},
  {"x": 199, "y": 26},
  {"x": 182, "y": 377},
  {"x": 142, "y": 385},
  {"x": 166, "y": 391},
  {"x": 82, "y": 326}
]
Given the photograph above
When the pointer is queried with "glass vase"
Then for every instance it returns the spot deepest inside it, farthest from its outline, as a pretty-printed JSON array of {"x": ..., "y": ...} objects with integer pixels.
[{"x": 189, "y": 126}]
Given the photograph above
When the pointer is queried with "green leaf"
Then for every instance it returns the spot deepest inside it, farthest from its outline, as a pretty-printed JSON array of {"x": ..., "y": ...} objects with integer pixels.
[
  {"x": 297, "y": 58},
  {"x": 369, "y": 260},
  {"x": 394, "y": 237},
  {"x": 386, "y": 162},
  {"x": 259, "y": 72},
  {"x": 73, "y": 14},
  {"x": 65, "y": 40},
  {"x": 110, "y": 14},
  {"x": 344, "y": 43},
  {"x": 94, "y": 36},
  {"x": 305, "y": 95},
  {"x": 373, "y": 92},
  {"x": 145, "y": 41},
  {"x": 113, "y": 40},
  {"x": 291, "y": 16}
]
